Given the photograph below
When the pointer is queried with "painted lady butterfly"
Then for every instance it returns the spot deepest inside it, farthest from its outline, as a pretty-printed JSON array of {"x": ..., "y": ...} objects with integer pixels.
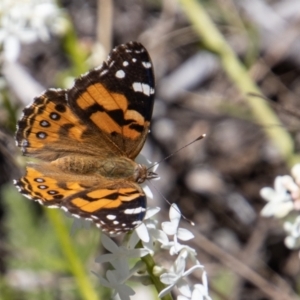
[{"x": 86, "y": 139}]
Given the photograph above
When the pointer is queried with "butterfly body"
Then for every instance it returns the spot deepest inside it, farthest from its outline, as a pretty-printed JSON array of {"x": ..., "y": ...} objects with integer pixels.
[
  {"x": 86, "y": 139},
  {"x": 116, "y": 167}
]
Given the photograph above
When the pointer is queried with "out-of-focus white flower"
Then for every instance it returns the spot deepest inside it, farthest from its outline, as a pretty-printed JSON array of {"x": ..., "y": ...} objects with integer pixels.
[
  {"x": 280, "y": 202},
  {"x": 147, "y": 232},
  {"x": 27, "y": 21},
  {"x": 292, "y": 241},
  {"x": 142, "y": 230},
  {"x": 119, "y": 256},
  {"x": 114, "y": 281},
  {"x": 171, "y": 228},
  {"x": 175, "y": 248},
  {"x": 200, "y": 291},
  {"x": 284, "y": 198},
  {"x": 295, "y": 193},
  {"x": 176, "y": 277}
]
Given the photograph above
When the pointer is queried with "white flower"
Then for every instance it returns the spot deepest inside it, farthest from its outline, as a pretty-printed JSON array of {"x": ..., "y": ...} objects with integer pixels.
[
  {"x": 200, "y": 291},
  {"x": 292, "y": 241},
  {"x": 114, "y": 281},
  {"x": 155, "y": 235},
  {"x": 171, "y": 228},
  {"x": 280, "y": 202},
  {"x": 142, "y": 230},
  {"x": 176, "y": 277},
  {"x": 147, "y": 232},
  {"x": 119, "y": 255},
  {"x": 27, "y": 21},
  {"x": 175, "y": 248}
]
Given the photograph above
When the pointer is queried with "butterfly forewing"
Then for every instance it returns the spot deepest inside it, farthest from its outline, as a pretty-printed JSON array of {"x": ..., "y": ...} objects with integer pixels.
[{"x": 118, "y": 97}]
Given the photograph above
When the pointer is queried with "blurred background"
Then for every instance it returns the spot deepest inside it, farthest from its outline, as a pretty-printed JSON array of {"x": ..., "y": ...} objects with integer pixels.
[{"x": 215, "y": 182}]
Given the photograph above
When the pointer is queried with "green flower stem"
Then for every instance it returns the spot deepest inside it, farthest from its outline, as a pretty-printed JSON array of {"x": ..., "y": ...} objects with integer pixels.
[
  {"x": 68, "y": 248},
  {"x": 150, "y": 264},
  {"x": 215, "y": 42}
]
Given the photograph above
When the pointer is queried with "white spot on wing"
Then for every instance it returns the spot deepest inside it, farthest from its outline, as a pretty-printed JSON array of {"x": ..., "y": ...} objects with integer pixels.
[
  {"x": 134, "y": 211},
  {"x": 120, "y": 74},
  {"x": 143, "y": 88},
  {"x": 98, "y": 68},
  {"x": 42, "y": 187},
  {"x": 111, "y": 217},
  {"x": 84, "y": 74},
  {"x": 136, "y": 222},
  {"x": 116, "y": 222},
  {"x": 146, "y": 64},
  {"x": 103, "y": 72},
  {"x": 134, "y": 59},
  {"x": 52, "y": 206},
  {"x": 146, "y": 89},
  {"x": 137, "y": 87},
  {"x": 125, "y": 63}
]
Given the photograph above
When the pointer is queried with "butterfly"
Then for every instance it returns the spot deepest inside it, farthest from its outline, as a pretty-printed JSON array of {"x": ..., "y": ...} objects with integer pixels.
[{"x": 85, "y": 140}]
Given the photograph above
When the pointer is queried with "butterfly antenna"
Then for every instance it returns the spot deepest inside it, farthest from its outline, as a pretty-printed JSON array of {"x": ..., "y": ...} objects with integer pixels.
[
  {"x": 183, "y": 216},
  {"x": 176, "y": 151}
]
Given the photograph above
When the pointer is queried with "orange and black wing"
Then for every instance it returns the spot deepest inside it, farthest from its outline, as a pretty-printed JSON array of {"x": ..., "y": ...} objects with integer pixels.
[
  {"x": 106, "y": 113},
  {"x": 115, "y": 205},
  {"x": 117, "y": 98},
  {"x": 49, "y": 129}
]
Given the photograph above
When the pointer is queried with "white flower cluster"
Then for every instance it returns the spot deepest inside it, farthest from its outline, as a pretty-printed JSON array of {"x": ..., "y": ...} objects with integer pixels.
[
  {"x": 152, "y": 239},
  {"x": 283, "y": 199},
  {"x": 25, "y": 21}
]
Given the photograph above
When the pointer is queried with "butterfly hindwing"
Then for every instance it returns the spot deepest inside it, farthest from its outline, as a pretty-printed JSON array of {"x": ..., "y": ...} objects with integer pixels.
[
  {"x": 112, "y": 205},
  {"x": 118, "y": 207}
]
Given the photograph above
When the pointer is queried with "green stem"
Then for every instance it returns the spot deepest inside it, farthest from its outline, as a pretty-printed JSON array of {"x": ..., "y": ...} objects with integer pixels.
[
  {"x": 150, "y": 264},
  {"x": 213, "y": 39},
  {"x": 68, "y": 248}
]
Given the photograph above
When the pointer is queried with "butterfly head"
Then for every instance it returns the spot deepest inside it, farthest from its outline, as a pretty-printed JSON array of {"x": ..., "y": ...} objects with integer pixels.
[{"x": 142, "y": 173}]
